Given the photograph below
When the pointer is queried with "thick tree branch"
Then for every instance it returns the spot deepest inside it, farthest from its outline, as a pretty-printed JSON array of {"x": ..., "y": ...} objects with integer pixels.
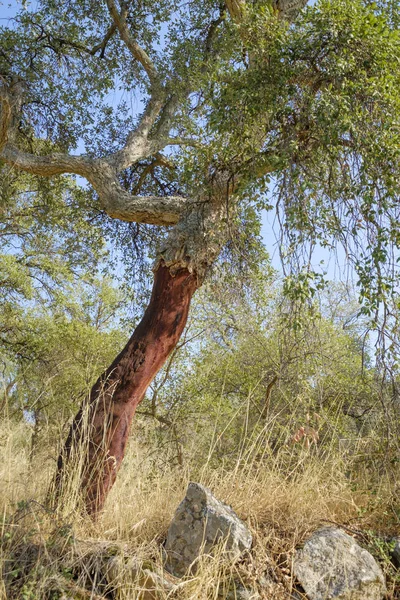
[
  {"x": 5, "y": 116},
  {"x": 46, "y": 166},
  {"x": 153, "y": 210},
  {"x": 145, "y": 141},
  {"x": 135, "y": 49},
  {"x": 102, "y": 174},
  {"x": 152, "y": 133},
  {"x": 114, "y": 199},
  {"x": 137, "y": 145}
]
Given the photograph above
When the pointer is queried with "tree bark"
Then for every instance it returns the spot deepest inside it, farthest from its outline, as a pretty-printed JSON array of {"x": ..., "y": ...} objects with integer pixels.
[{"x": 99, "y": 432}]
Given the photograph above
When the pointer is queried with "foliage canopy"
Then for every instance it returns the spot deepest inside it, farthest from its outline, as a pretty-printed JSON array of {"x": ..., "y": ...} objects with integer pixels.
[{"x": 301, "y": 116}]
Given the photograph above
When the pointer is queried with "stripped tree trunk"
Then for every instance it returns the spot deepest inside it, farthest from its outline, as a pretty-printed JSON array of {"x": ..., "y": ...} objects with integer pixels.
[
  {"x": 102, "y": 426},
  {"x": 99, "y": 432}
]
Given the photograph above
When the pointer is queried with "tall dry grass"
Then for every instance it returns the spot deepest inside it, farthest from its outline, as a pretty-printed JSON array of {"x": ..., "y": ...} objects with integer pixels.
[{"x": 282, "y": 494}]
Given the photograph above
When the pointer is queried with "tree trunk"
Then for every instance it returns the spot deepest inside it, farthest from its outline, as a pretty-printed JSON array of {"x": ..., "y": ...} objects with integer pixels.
[{"x": 100, "y": 430}]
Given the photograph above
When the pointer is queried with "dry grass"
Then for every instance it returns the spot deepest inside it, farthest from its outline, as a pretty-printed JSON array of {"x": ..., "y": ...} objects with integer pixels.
[{"x": 283, "y": 496}]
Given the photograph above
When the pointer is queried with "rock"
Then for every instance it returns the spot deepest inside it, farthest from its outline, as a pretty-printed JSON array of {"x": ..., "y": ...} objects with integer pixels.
[
  {"x": 148, "y": 584},
  {"x": 242, "y": 593},
  {"x": 200, "y": 522},
  {"x": 332, "y": 565},
  {"x": 396, "y": 553},
  {"x": 152, "y": 586}
]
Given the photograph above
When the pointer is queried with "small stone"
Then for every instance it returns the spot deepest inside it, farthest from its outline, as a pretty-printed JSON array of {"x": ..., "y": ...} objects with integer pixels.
[
  {"x": 331, "y": 565},
  {"x": 242, "y": 593},
  {"x": 200, "y": 522},
  {"x": 149, "y": 584}
]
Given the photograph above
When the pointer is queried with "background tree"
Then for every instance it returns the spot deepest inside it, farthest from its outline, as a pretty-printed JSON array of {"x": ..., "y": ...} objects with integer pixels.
[
  {"x": 243, "y": 94},
  {"x": 60, "y": 318}
]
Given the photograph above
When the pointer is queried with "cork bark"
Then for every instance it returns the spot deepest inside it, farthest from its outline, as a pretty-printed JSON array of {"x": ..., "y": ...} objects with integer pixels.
[{"x": 100, "y": 430}]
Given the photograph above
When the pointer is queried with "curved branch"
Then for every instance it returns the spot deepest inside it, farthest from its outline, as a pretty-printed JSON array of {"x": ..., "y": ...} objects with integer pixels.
[
  {"x": 120, "y": 204},
  {"x": 46, "y": 166},
  {"x": 158, "y": 161},
  {"x": 61, "y": 41},
  {"x": 152, "y": 210},
  {"x": 134, "y": 48},
  {"x": 102, "y": 174},
  {"x": 137, "y": 146},
  {"x": 102, "y": 45},
  {"x": 114, "y": 199},
  {"x": 153, "y": 132}
]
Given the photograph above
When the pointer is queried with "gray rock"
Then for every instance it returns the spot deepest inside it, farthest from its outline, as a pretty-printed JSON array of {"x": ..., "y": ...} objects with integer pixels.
[
  {"x": 332, "y": 565},
  {"x": 200, "y": 522},
  {"x": 396, "y": 553},
  {"x": 242, "y": 593},
  {"x": 148, "y": 584}
]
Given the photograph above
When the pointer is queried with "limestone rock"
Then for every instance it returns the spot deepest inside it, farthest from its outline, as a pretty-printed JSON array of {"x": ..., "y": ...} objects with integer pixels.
[
  {"x": 242, "y": 593},
  {"x": 200, "y": 522},
  {"x": 147, "y": 584},
  {"x": 332, "y": 565}
]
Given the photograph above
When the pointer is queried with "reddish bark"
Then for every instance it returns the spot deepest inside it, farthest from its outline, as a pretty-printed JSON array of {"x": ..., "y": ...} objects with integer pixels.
[{"x": 117, "y": 393}]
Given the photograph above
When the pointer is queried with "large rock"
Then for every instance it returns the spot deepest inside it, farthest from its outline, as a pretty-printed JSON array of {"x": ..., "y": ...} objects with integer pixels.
[
  {"x": 200, "y": 522},
  {"x": 332, "y": 565}
]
